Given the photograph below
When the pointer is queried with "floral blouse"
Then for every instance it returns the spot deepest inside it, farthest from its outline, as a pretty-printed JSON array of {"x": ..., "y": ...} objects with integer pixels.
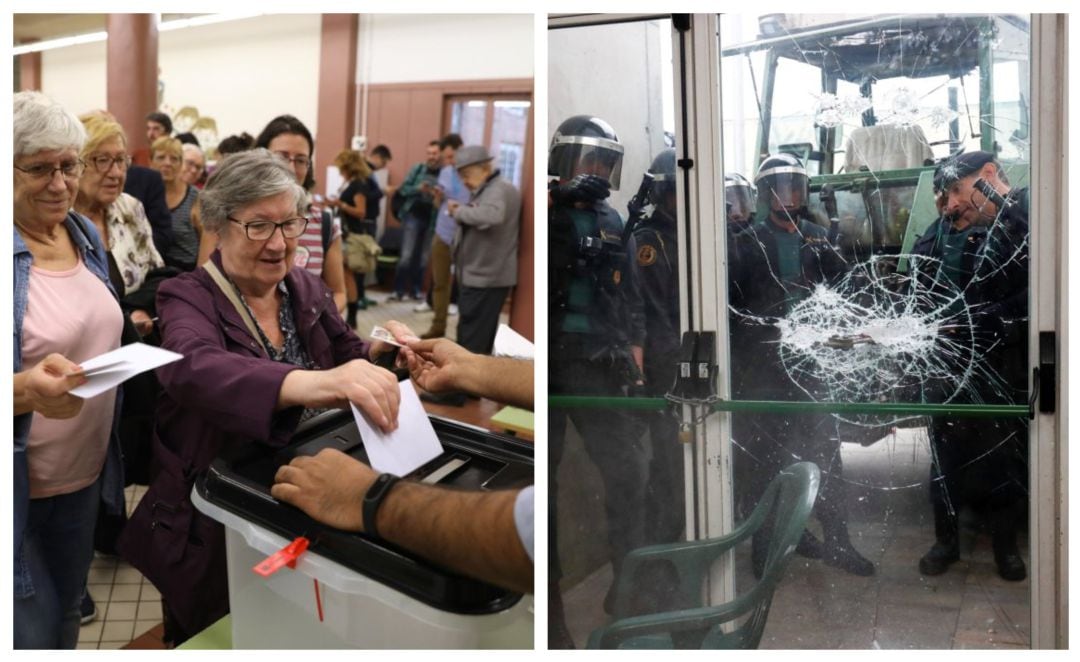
[{"x": 131, "y": 241}]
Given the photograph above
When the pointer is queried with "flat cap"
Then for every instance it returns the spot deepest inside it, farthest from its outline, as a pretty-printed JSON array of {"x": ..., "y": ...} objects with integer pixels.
[{"x": 471, "y": 155}]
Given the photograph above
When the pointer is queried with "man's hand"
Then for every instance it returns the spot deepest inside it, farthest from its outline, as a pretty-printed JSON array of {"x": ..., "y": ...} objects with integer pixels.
[
  {"x": 437, "y": 365},
  {"x": 583, "y": 188},
  {"x": 47, "y": 385},
  {"x": 452, "y": 206},
  {"x": 328, "y": 487}
]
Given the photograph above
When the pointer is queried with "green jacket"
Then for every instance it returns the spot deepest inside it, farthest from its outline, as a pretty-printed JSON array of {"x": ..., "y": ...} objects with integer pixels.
[{"x": 410, "y": 189}]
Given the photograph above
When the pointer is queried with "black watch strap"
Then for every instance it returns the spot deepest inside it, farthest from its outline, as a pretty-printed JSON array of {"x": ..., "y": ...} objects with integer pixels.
[{"x": 374, "y": 498}]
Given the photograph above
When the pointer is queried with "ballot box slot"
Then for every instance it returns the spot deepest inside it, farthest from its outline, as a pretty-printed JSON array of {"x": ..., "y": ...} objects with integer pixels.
[{"x": 240, "y": 478}]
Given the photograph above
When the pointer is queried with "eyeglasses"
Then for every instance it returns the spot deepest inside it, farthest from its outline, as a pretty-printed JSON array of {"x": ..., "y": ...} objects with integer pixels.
[
  {"x": 298, "y": 161},
  {"x": 161, "y": 158},
  {"x": 104, "y": 163},
  {"x": 43, "y": 172},
  {"x": 193, "y": 165},
  {"x": 263, "y": 230}
]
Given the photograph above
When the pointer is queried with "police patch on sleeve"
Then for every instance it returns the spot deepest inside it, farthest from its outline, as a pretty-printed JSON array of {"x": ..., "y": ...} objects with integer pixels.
[{"x": 646, "y": 255}]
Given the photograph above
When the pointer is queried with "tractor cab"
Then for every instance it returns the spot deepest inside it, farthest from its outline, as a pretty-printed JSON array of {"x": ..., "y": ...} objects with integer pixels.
[{"x": 870, "y": 104}]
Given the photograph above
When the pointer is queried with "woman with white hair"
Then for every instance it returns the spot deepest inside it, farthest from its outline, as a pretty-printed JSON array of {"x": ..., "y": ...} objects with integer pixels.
[{"x": 66, "y": 453}]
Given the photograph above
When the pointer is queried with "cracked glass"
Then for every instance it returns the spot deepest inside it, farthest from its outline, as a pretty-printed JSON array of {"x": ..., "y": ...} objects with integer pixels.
[{"x": 878, "y": 304}]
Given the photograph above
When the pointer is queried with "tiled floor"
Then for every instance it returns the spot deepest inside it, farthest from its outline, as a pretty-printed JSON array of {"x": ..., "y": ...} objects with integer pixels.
[
  {"x": 128, "y": 605},
  {"x": 816, "y": 606}
]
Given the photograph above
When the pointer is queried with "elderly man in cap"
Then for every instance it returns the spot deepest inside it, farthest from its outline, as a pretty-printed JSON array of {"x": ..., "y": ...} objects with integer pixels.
[
  {"x": 485, "y": 247},
  {"x": 979, "y": 261}
]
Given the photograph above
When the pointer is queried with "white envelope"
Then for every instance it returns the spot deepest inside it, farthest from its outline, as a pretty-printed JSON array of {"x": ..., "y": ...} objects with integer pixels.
[
  {"x": 406, "y": 449},
  {"x": 111, "y": 369}
]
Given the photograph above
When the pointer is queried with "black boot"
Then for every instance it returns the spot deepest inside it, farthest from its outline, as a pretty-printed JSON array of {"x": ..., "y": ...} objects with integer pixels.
[
  {"x": 848, "y": 559},
  {"x": 1010, "y": 565},
  {"x": 350, "y": 316},
  {"x": 809, "y": 546},
  {"x": 943, "y": 554}
]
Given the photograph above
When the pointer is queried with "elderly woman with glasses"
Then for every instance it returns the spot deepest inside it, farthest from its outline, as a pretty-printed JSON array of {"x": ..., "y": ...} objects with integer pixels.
[
  {"x": 66, "y": 451},
  {"x": 264, "y": 348},
  {"x": 119, "y": 218}
]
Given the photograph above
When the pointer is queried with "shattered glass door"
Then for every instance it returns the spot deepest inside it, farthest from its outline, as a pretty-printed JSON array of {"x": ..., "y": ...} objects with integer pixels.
[{"x": 876, "y": 184}]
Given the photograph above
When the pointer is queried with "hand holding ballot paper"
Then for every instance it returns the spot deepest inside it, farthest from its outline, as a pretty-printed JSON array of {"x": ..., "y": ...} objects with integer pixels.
[{"x": 113, "y": 368}]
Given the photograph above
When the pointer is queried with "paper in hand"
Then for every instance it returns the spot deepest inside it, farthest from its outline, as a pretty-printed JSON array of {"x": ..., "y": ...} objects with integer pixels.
[
  {"x": 406, "y": 449},
  {"x": 512, "y": 344},
  {"x": 379, "y": 333},
  {"x": 111, "y": 369}
]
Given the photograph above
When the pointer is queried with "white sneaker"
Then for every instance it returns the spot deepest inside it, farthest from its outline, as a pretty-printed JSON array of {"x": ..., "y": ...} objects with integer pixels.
[
  {"x": 422, "y": 307},
  {"x": 453, "y": 310}
]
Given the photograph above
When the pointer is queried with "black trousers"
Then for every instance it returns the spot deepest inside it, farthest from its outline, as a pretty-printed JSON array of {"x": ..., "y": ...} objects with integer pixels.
[
  {"x": 612, "y": 440},
  {"x": 981, "y": 463},
  {"x": 478, "y": 309}
]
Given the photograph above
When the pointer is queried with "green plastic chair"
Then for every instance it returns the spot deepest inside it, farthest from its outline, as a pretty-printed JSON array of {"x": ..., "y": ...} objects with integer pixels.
[{"x": 784, "y": 509}]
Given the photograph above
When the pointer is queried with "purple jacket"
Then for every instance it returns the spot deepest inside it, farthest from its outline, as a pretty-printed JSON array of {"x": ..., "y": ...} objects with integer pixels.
[{"x": 222, "y": 394}]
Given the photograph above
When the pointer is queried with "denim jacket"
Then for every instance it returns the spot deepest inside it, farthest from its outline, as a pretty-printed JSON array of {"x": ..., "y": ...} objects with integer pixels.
[{"x": 85, "y": 237}]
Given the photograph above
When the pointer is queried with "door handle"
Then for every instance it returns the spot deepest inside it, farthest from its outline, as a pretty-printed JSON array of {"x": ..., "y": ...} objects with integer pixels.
[{"x": 1046, "y": 375}]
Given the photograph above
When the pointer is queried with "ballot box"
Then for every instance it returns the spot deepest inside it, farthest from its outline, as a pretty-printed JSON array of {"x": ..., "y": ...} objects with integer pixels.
[{"x": 348, "y": 590}]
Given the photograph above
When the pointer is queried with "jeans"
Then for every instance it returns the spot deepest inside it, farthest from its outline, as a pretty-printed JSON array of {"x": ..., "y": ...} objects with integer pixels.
[
  {"x": 415, "y": 251},
  {"x": 58, "y": 547}
]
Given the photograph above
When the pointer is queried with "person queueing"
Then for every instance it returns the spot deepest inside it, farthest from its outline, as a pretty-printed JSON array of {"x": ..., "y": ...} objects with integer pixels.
[
  {"x": 66, "y": 450},
  {"x": 596, "y": 332}
]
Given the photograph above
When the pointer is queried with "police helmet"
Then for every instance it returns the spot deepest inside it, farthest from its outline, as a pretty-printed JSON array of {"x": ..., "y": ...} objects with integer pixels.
[
  {"x": 662, "y": 172},
  {"x": 740, "y": 198},
  {"x": 584, "y": 144},
  {"x": 783, "y": 182}
]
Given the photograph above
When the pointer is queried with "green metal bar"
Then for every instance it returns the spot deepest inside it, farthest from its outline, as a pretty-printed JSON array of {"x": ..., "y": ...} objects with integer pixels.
[
  {"x": 780, "y": 407},
  {"x": 987, "y": 136}
]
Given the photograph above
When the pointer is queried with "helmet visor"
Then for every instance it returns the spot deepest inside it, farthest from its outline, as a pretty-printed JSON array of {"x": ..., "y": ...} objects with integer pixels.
[
  {"x": 740, "y": 203},
  {"x": 577, "y": 155},
  {"x": 787, "y": 189}
]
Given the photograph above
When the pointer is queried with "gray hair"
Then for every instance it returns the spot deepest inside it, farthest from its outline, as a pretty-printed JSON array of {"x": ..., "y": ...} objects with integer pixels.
[
  {"x": 41, "y": 124},
  {"x": 243, "y": 178}
]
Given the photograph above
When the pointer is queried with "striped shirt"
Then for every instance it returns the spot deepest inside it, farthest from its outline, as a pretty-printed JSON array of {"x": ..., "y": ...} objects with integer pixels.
[{"x": 309, "y": 246}]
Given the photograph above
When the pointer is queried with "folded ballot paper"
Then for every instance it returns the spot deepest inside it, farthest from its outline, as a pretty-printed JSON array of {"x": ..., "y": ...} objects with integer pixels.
[
  {"x": 409, "y": 447},
  {"x": 111, "y": 369},
  {"x": 512, "y": 344}
]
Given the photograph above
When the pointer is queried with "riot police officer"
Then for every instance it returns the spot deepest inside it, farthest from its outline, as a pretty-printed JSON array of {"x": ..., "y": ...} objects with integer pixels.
[
  {"x": 979, "y": 248},
  {"x": 786, "y": 257},
  {"x": 657, "y": 260},
  {"x": 596, "y": 329}
]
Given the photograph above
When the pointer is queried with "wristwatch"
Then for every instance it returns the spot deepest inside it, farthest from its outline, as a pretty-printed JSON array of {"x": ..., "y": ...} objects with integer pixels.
[{"x": 374, "y": 498}]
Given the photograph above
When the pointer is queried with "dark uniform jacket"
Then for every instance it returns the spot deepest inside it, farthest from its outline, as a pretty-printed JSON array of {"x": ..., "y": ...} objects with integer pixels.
[
  {"x": 995, "y": 262},
  {"x": 593, "y": 300},
  {"x": 762, "y": 298}
]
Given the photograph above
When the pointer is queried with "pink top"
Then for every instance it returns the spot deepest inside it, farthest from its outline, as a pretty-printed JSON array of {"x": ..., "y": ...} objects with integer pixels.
[{"x": 71, "y": 313}]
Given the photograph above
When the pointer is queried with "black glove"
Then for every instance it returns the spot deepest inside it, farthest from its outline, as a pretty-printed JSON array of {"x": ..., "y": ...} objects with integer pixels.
[{"x": 583, "y": 188}]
